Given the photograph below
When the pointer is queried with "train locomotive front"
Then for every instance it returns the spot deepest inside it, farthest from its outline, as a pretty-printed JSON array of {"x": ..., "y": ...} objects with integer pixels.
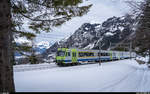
[{"x": 65, "y": 56}]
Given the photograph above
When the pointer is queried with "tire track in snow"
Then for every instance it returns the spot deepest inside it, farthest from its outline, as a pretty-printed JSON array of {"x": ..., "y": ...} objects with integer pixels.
[
  {"x": 143, "y": 81},
  {"x": 138, "y": 82},
  {"x": 115, "y": 82}
]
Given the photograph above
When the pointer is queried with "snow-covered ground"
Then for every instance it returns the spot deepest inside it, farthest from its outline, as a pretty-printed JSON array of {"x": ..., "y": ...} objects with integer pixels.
[
  {"x": 116, "y": 76},
  {"x": 145, "y": 59}
]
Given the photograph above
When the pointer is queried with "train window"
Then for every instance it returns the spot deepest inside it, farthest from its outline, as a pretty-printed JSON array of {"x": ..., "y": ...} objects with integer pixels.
[
  {"x": 73, "y": 54},
  {"x": 91, "y": 54},
  {"x": 88, "y": 54},
  {"x": 68, "y": 53},
  {"x": 83, "y": 54},
  {"x": 107, "y": 54},
  {"x": 80, "y": 54},
  {"x": 102, "y": 54},
  {"x": 61, "y": 53},
  {"x": 98, "y": 54}
]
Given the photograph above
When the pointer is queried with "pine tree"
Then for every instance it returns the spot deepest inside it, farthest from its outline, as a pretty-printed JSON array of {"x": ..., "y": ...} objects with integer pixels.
[
  {"x": 42, "y": 15},
  {"x": 142, "y": 39}
]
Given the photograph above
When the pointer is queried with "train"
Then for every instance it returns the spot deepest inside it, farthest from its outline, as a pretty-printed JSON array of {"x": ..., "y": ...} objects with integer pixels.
[{"x": 75, "y": 56}]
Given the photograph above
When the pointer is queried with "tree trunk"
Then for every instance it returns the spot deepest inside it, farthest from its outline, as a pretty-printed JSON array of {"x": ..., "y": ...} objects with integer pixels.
[
  {"x": 6, "y": 65},
  {"x": 149, "y": 57}
]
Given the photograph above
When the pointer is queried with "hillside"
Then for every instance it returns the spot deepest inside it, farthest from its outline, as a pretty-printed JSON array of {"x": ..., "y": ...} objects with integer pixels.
[{"x": 113, "y": 31}]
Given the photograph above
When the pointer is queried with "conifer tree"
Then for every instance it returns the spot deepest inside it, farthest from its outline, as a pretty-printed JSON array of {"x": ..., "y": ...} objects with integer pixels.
[
  {"x": 42, "y": 16},
  {"x": 142, "y": 39}
]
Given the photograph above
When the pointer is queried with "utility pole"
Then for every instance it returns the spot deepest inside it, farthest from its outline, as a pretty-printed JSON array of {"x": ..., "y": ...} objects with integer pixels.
[
  {"x": 130, "y": 49},
  {"x": 109, "y": 45},
  {"x": 100, "y": 50},
  {"x": 70, "y": 40},
  {"x": 99, "y": 43}
]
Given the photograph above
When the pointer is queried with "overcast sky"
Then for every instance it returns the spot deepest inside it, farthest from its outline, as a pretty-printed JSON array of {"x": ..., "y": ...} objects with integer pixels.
[{"x": 99, "y": 12}]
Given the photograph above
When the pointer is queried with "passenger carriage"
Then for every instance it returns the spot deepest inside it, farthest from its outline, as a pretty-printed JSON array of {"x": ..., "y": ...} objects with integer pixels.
[{"x": 74, "y": 56}]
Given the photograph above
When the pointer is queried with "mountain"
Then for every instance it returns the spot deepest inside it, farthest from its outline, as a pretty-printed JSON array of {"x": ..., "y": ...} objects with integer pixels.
[
  {"x": 111, "y": 32},
  {"x": 41, "y": 47}
]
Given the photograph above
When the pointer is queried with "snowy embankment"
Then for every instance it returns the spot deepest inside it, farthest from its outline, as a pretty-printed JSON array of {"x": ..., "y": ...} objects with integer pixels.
[
  {"x": 30, "y": 67},
  {"x": 145, "y": 59},
  {"x": 115, "y": 76}
]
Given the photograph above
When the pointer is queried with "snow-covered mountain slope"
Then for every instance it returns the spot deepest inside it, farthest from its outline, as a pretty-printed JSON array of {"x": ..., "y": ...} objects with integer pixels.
[
  {"x": 43, "y": 44},
  {"x": 41, "y": 47},
  {"x": 111, "y": 31}
]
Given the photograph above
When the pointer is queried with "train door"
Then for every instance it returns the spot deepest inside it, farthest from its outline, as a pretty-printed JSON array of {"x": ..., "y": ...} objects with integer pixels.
[
  {"x": 111, "y": 55},
  {"x": 74, "y": 55},
  {"x": 118, "y": 56}
]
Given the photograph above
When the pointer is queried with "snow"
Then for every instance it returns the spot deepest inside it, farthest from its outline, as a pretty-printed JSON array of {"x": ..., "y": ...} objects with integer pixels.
[
  {"x": 90, "y": 46},
  {"x": 122, "y": 18},
  {"x": 43, "y": 44},
  {"x": 145, "y": 59},
  {"x": 18, "y": 57},
  {"x": 121, "y": 28},
  {"x": 109, "y": 34},
  {"x": 114, "y": 76},
  {"x": 86, "y": 28},
  {"x": 22, "y": 40},
  {"x": 94, "y": 22},
  {"x": 112, "y": 28},
  {"x": 98, "y": 26}
]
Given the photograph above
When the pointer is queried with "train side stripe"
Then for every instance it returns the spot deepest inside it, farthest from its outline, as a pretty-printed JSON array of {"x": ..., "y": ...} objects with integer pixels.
[{"x": 93, "y": 59}]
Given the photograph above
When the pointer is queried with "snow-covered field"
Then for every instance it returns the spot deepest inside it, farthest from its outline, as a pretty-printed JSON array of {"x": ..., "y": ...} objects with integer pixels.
[{"x": 116, "y": 76}]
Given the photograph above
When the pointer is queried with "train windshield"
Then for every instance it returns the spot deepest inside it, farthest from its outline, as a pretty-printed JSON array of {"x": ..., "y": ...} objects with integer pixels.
[{"x": 61, "y": 53}]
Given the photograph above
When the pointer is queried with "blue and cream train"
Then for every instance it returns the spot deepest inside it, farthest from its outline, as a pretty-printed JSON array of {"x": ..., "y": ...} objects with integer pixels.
[{"x": 73, "y": 56}]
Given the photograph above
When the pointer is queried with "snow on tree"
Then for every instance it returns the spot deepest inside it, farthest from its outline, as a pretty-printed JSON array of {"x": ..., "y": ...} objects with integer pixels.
[
  {"x": 142, "y": 39},
  {"x": 42, "y": 16}
]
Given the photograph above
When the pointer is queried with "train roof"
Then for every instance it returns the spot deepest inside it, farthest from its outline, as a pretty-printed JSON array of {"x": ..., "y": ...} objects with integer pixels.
[{"x": 93, "y": 50}]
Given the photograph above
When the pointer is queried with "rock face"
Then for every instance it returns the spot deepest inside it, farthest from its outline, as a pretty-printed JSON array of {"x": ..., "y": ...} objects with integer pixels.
[{"x": 112, "y": 31}]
